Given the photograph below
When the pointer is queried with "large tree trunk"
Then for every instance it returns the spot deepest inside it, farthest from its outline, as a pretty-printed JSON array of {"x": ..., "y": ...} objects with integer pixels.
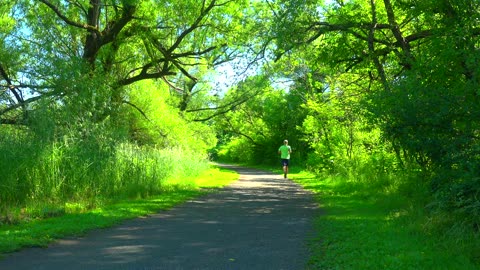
[{"x": 93, "y": 40}]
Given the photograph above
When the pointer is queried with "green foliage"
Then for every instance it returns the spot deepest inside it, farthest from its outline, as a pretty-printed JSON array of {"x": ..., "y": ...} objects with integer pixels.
[
  {"x": 64, "y": 46},
  {"x": 238, "y": 150},
  {"x": 7, "y": 23},
  {"x": 400, "y": 89},
  {"x": 432, "y": 113},
  {"x": 87, "y": 170},
  {"x": 76, "y": 219},
  {"x": 75, "y": 151},
  {"x": 255, "y": 129},
  {"x": 153, "y": 121},
  {"x": 371, "y": 228}
]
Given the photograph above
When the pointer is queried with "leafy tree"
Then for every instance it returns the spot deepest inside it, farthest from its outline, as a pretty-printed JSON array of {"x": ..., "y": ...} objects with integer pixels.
[
  {"x": 416, "y": 64},
  {"x": 258, "y": 127},
  {"x": 160, "y": 124},
  {"x": 99, "y": 91},
  {"x": 69, "y": 42}
]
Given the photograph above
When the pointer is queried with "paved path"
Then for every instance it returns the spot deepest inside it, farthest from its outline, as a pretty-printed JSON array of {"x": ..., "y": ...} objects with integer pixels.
[{"x": 259, "y": 222}]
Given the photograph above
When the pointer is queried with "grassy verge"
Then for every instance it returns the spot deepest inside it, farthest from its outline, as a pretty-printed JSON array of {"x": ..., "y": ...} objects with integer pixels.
[
  {"x": 362, "y": 231},
  {"x": 40, "y": 232}
]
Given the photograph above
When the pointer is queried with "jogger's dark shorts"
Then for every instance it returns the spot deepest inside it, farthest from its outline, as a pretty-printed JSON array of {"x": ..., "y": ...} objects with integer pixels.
[{"x": 285, "y": 161}]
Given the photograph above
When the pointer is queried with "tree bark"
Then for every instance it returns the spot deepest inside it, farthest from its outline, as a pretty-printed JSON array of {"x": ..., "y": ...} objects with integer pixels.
[
  {"x": 406, "y": 59},
  {"x": 371, "y": 47}
]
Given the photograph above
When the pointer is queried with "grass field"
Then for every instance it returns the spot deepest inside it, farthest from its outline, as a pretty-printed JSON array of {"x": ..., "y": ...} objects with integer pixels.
[
  {"x": 363, "y": 230},
  {"x": 72, "y": 221}
]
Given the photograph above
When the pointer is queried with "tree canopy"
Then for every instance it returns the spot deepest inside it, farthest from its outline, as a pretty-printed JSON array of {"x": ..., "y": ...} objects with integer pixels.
[{"x": 55, "y": 47}]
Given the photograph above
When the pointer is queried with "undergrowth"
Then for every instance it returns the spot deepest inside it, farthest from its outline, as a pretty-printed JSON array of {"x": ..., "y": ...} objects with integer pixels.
[
  {"x": 69, "y": 219},
  {"x": 383, "y": 222}
]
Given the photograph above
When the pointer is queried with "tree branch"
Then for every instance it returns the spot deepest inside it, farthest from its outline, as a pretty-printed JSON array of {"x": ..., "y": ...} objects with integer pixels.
[
  {"x": 232, "y": 129},
  {"x": 116, "y": 28},
  {"x": 11, "y": 87},
  {"x": 194, "y": 26},
  {"x": 68, "y": 21},
  {"x": 27, "y": 101},
  {"x": 11, "y": 122},
  {"x": 371, "y": 46},
  {"x": 397, "y": 33},
  {"x": 145, "y": 75},
  {"x": 136, "y": 108}
]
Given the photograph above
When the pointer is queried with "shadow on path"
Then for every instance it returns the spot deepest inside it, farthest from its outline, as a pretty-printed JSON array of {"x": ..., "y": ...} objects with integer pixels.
[{"x": 260, "y": 221}]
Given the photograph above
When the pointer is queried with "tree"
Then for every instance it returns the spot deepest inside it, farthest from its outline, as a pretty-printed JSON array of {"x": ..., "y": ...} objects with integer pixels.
[
  {"x": 255, "y": 129},
  {"x": 417, "y": 63},
  {"x": 113, "y": 43}
]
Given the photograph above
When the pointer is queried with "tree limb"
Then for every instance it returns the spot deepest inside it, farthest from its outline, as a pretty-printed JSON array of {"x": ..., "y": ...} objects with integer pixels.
[
  {"x": 194, "y": 26},
  {"x": 371, "y": 46},
  {"x": 67, "y": 20},
  {"x": 408, "y": 57},
  {"x": 136, "y": 108},
  {"x": 11, "y": 122},
  {"x": 11, "y": 87},
  {"x": 145, "y": 75},
  {"x": 232, "y": 129}
]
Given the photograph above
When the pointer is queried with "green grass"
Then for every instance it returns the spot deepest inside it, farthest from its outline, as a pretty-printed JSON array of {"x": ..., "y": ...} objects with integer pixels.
[
  {"x": 42, "y": 231},
  {"x": 215, "y": 178},
  {"x": 364, "y": 229}
]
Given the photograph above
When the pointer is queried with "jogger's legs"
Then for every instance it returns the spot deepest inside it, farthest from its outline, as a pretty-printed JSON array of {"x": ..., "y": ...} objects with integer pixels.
[{"x": 285, "y": 167}]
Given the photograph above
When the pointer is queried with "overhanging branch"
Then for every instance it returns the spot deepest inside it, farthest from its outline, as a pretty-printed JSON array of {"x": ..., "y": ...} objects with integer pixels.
[{"x": 67, "y": 20}]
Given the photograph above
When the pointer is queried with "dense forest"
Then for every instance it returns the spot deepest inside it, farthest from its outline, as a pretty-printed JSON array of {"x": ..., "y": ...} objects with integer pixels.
[{"x": 103, "y": 99}]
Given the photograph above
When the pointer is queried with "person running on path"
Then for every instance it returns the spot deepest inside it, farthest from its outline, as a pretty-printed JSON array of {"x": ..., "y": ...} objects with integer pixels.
[{"x": 285, "y": 150}]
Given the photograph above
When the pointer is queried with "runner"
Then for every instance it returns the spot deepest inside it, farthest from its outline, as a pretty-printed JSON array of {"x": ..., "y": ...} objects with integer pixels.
[{"x": 285, "y": 150}]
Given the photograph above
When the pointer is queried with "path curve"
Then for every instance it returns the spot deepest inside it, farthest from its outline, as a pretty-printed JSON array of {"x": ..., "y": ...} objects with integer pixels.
[{"x": 261, "y": 221}]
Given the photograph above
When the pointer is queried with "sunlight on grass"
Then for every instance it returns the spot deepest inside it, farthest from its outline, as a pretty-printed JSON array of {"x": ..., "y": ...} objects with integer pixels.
[
  {"x": 215, "y": 178},
  {"x": 76, "y": 220},
  {"x": 363, "y": 228}
]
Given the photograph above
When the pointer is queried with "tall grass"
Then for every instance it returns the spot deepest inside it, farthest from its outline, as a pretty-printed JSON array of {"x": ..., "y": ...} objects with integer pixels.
[
  {"x": 52, "y": 175},
  {"x": 379, "y": 218},
  {"x": 42, "y": 231}
]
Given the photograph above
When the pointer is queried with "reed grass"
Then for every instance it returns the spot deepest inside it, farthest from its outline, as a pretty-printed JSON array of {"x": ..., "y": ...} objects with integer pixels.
[
  {"x": 77, "y": 219},
  {"x": 41, "y": 179}
]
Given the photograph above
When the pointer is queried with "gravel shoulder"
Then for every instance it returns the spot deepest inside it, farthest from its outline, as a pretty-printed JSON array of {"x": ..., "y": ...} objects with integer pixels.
[{"x": 261, "y": 221}]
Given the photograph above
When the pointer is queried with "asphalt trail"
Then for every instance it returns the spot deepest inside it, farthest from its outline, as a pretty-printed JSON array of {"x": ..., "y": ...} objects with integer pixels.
[{"x": 261, "y": 221}]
